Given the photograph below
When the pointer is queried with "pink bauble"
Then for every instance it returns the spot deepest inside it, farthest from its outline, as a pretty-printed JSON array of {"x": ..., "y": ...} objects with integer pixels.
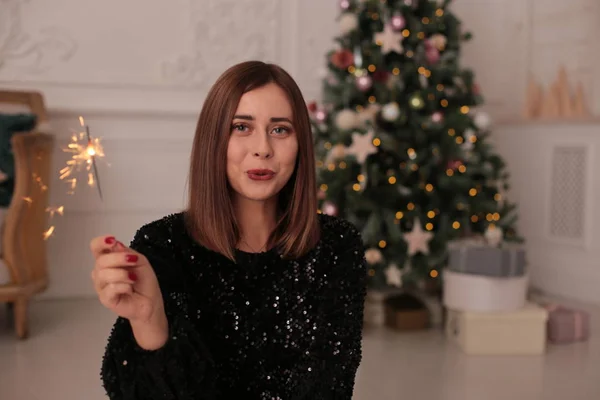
[
  {"x": 320, "y": 115},
  {"x": 437, "y": 117},
  {"x": 345, "y": 4},
  {"x": 330, "y": 208},
  {"x": 398, "y": 22},
  {"x": 364, "y": 83},
  {"x": 432, "y": 55}
]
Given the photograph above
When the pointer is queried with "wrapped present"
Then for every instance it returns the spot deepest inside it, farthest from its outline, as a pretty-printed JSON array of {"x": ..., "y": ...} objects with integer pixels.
[
  {"x": 467, "y": 292},
  {"x": 519, "y": 332},
  {"x": 566, "y": 325},
  {"x": 478, "y": 258}
]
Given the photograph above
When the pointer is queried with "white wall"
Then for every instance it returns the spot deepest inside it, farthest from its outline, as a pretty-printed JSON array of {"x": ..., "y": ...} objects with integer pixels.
[{"x": 138, "y": 72}]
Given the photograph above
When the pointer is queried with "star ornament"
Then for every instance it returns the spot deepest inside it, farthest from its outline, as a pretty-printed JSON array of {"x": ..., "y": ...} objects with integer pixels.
[
  {"x": 389, "y": 40},
  {"x": 393, "y": 275},
  {"x": 362, "y": 146},
  {"x": 418, "y": 239}
]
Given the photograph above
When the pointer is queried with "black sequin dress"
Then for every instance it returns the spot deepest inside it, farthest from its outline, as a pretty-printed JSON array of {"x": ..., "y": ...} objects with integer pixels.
[{"x": 261, "y": 328}]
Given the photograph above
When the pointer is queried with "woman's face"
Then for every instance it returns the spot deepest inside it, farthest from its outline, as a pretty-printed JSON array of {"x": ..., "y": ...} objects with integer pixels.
[{"x": 263, "y": 146}]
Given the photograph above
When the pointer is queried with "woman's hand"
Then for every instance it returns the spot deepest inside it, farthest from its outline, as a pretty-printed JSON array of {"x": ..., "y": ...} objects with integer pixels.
[{"x": 126, "y": 284}]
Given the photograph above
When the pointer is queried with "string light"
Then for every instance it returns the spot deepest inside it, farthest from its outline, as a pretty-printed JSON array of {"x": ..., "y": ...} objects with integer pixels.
[
  {"x": 392, "y": 180},
  {"x": 396, "y": 71},
  {"x": 444, "y": 103},
  {"x": 372, "y": 99},
  {"x": 425, "y": 20},
  {"x": 451, "y": 132},
  {"x": 342, "y": 164},
  {"x": 429, "y": 226},
  {"x": 496, "y": 217},
  {"x": 439, "y": 12},
  {"x": 431, "y": 214},
  {"x": 323, "y": 187},
  {"x": 433, "y": 273},
  {"x": 429, "y": 187},
  {"x": 406, "y": 33},
  {"x": 474, "y": 218},
  {"x": 421, "y": 35},
  {"x": 473, "y": 192},
  {"x": 382, "y": 244},
  {"x": 440, "y": 87},
  {"x": 360, "y": 178},
  {"x": 352, "y": 69},
  {"x": 462, "y": 168},
  {"x": 414, "y": 167},
  {"x": 320, "y": 164},
  {"x": 412, "y": 154},
  {"x": 489, "y": 217},
  {"x": 449, "y": 172},
  {"x": 410, "y": 206},
  {"x": 372, "y": 68},
  {"x": 459, "y": 139},
  {"x": 327, "y": 145},
  {"x": 410, "y": 54},
  {"x": 399, "y": 215},
  {"x": 456, "y": 224},
  {"x": 497, "y": 197},
  {"x": 464, "y": 109},
  {"x": 376, "y": 142},
  {"x": 371, "y": 272},
  {"x": 331, "y": 166},
  {"x": 356, "y": 187}
]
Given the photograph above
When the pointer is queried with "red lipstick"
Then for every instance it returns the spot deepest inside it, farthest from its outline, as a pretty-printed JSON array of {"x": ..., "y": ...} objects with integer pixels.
[{"x": 260, "y": 174}]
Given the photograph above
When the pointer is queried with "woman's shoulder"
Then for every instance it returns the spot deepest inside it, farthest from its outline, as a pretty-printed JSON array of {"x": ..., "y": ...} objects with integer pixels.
[
  {"x": 336, "y": 231},
  {"x": 162, "y": 231}
]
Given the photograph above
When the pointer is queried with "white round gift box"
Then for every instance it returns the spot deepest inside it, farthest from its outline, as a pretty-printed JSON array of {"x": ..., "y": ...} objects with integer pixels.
[{"x": 469, "y": 292}]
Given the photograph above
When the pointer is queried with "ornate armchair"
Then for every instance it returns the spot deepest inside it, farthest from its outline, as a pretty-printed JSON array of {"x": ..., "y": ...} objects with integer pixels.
[{"x": 23, "y": 252}]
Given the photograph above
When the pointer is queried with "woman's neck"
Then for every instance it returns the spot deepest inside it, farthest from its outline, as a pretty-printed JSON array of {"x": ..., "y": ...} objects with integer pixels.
[{"x": 256, "y": 221}]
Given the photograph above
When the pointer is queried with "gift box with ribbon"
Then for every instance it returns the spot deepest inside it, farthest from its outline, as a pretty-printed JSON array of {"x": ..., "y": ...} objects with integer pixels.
[
  {"x": 479, "y": 258},
  {"x": 567, "y": 325}
]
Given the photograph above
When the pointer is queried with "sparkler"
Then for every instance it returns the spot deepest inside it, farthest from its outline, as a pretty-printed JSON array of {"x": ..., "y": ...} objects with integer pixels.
[{"x": 85, "y": 150}]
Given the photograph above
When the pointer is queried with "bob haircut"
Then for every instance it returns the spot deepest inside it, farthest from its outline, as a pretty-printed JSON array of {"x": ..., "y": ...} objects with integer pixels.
[{"x": 210, "y": 217}]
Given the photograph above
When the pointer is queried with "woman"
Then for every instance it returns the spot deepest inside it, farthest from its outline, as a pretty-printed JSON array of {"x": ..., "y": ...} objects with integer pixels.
[{"x": 249, "y": 293}]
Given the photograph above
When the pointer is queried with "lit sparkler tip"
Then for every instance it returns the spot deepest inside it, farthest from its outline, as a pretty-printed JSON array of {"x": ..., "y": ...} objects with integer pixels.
[{"x": 81, "y": 121}]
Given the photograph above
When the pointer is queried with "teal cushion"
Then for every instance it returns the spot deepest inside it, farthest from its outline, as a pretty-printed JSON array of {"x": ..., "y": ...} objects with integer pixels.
[{"x": 9, "y": 125}]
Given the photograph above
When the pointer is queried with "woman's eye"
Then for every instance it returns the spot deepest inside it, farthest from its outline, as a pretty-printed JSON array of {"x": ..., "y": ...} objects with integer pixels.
[
  {"x": 281, "y": 130},
  {"x": 240, "y": 128}
]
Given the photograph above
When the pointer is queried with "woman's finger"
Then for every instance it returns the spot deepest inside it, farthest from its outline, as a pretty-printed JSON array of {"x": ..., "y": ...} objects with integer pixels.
[
  {"x": 111, "y": 294},
  {"x": 119, "y": 260},
  {"x": 102, "y": 244},
  {"x": 104, "y": 277}
]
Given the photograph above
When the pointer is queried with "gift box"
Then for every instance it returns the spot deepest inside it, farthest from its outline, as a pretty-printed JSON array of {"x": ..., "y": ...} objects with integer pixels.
[
  {"x": 467, "y": 292},
  {"x": 520, "y": 332},
  {"x": 478, "y": 258},
  {"x": 406, "y": 312},
  {"x": 566, "y": 325}
]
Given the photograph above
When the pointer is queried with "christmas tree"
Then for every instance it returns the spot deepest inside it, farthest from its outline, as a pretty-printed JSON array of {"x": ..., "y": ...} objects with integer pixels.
[{"x": 402, "y": 144}]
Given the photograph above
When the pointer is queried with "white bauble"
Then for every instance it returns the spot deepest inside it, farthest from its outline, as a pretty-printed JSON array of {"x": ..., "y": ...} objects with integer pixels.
[
  {"x": 482, "y": 121},
  {"x": 390, "y": 112},
  {"x": 348, "y": 22},
  {"x": 346, "y": 120},
  {"x": 373, "y": 256}
]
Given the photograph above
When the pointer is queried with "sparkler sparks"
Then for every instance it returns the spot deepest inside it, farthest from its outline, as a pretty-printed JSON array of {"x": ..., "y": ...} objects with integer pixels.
[{"x": 85, "y": 151}]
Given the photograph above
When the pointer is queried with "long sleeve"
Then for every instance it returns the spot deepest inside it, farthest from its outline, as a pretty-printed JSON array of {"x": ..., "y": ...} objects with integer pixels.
[
  {"x": 327, "y": 370},
  {"x": 183, "y": 368}
]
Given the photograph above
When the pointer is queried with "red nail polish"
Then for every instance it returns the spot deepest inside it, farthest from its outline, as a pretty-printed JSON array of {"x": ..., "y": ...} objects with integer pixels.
[
  {"x": 131, "y": 258},
  {"x": 132, "y": 276},
  {"x": 109, "y": 240}
]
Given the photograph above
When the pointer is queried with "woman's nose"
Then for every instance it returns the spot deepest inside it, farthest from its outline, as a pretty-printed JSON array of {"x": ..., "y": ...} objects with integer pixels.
[{"x": 263, "y": 148}]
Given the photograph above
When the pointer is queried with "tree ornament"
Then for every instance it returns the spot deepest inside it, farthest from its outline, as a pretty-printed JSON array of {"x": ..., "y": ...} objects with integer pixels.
[
  {"x": 432, "y": 55},
  {"x": 364, "y": 82},
  {"x": 348, "y": 23},
  {"x": 344, "y": 4},
  {"x": 418, "y": 239},
  {"x": 373, "y": 256},
  {"x": 362, "y": 146},
  {"x": 330, "y": 209},
  {"x": 493, "y": 235},
  {"x": 438, "y": 41},
  {"x": 368, "y": 114},
  {"x": 342, "y": 59},
  {"x": 437, "y": 117},
  {"x": 346, "y": 120},
  {"x": 391, "y": 112},
  {"x": 398, "y": 22},
  {"x": 482, "y": 121},
  {"x": 393, "y": 275},
  {"x": 389, "y": 40}
]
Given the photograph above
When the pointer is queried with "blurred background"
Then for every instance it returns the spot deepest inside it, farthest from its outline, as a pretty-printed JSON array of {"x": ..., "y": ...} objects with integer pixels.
[{"x": 459, "y": 136}]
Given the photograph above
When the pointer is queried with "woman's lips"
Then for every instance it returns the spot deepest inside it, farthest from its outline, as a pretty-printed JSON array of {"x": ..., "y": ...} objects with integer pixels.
[{"x": 260, "y": 174}]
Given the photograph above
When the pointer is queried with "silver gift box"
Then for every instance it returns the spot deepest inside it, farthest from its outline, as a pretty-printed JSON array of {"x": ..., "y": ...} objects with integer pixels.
[{"x": 479, "y": 258}]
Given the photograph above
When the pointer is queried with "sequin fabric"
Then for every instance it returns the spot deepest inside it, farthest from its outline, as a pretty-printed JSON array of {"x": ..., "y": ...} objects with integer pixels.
[{"x": 261, "y": 328}]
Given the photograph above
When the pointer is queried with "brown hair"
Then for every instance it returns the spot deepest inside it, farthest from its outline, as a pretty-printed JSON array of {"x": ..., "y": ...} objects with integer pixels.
[{"x": 210, "y": 217}]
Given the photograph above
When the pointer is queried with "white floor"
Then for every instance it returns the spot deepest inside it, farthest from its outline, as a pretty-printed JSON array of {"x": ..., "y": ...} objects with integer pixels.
[{"x": 61, "y": 360}]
